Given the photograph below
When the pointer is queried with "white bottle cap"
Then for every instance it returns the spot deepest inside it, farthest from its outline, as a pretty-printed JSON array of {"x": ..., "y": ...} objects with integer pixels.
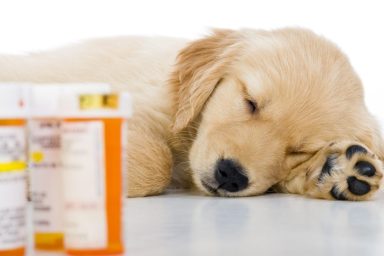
[
  {"x": 12, "y": 101},
  {"x": 44, "y": 100}
]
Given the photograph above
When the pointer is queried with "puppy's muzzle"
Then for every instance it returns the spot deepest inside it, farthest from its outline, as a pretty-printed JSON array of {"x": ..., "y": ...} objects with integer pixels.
[{"x": 230, "y": 175}]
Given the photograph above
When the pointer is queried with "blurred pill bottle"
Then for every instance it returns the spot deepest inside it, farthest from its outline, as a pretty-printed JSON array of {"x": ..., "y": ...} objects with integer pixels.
[
  {"x": 93, "y": 138},
  {"x": 46, "y": 185},
  {"x": 13, "y": 164}
]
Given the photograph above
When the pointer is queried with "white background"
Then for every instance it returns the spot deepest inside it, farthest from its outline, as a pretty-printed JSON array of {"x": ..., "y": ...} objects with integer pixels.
[{"x": 356, "y": 26}]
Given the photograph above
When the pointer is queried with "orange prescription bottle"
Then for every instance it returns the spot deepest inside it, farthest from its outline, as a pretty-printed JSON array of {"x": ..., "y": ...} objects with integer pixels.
[
  {"x": 13, "y": 187},
  {"x": 44, "y": 161},
  {"x": 93, "y": 142}
]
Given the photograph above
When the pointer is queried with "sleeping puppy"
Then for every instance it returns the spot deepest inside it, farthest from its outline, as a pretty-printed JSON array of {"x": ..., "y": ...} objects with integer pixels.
[{"x": 233, "y": 114}]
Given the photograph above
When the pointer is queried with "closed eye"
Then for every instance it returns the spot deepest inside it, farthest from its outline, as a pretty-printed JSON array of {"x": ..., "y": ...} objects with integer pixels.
[{"x": 251, "y": 105}]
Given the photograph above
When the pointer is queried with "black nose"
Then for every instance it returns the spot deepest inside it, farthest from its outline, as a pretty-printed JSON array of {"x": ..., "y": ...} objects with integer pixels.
[{"x": 229, "y": 175}]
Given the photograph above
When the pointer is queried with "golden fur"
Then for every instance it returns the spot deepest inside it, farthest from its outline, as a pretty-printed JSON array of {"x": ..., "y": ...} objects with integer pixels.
[{"x": 192, "y": 110}]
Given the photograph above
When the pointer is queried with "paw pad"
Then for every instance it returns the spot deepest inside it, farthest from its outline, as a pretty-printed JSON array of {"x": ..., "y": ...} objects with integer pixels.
[
  {"x": 358, "y": 187},
  {"x": 351, "y": 150},
  {"x": 365, "y": 168},
  {"x": 335, "y": 193},
  {"x": 349, "y": 172},
  {"x": 327, "y": 167}
]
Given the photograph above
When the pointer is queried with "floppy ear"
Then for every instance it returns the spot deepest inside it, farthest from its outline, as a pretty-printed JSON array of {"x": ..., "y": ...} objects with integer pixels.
[{"x": 199, "y": 68}]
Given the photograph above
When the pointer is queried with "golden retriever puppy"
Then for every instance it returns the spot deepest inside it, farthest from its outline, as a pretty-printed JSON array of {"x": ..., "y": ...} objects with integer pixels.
[{"x": 233, "y": 114}]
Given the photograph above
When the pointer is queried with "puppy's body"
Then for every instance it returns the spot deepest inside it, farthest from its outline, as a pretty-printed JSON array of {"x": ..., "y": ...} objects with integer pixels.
[
  {"x": 192, "y": 115},
  {"x": 140, "y": 65}
]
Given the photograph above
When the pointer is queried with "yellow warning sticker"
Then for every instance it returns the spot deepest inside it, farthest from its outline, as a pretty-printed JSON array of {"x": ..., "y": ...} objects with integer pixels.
[
  {"x": 13, "y": 166},
  {"x": 37, "y": 156}
]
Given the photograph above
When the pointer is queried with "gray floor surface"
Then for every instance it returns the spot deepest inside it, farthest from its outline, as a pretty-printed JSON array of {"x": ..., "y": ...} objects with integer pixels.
[{"x": 179, "y": 224}]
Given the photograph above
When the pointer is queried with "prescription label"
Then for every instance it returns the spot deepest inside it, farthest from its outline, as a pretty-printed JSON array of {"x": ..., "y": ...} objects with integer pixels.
[
  {"x": 13, "y": 189},
  {"x": 46, "y": 177},
  {"x": 84, "y": 181}
]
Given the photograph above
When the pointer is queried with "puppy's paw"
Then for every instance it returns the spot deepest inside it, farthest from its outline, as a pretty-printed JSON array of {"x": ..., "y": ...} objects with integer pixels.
[{"x": 349, "y": 171}]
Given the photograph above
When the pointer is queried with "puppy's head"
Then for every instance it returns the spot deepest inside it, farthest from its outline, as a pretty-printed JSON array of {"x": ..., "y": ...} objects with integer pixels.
[{"x": 262, "y": 103}]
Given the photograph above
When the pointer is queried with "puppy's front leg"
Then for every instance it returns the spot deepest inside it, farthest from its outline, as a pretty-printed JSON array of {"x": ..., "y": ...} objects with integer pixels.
[
  {"x": 149, "y": 158},
  {"x": 342, "y": 171}
]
